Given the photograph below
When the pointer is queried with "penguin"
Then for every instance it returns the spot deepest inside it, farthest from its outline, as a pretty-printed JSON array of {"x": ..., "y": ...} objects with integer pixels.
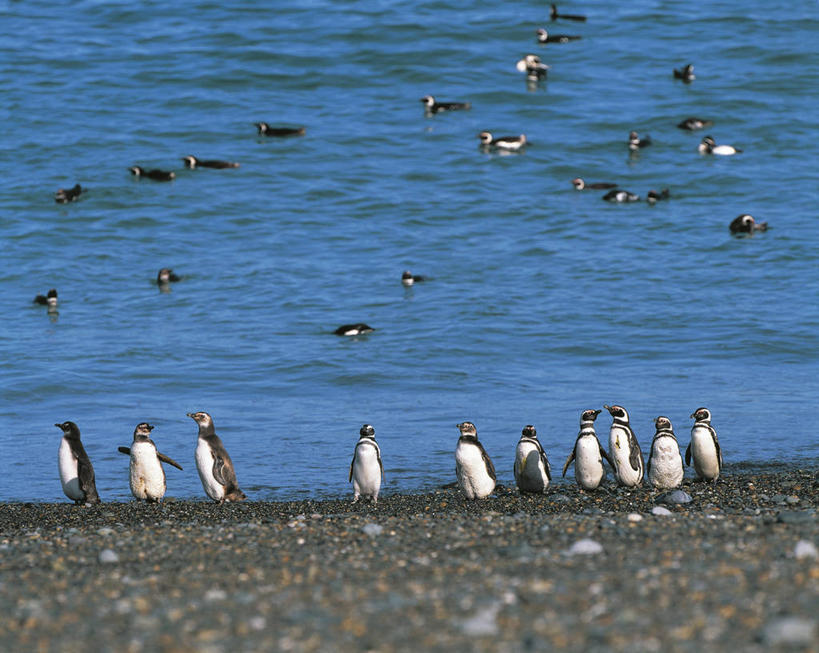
[
  {"x": 636, "y": 143},
  {"x": 431, "y": 106},
  {"x": 534, "y": 68},
  {"x": 192, "y": 162},
  {"x": 166, "y": 276},
  {"x": 506, "y": 143},
  {"x": 49, "y": 299},
  {"x": 579, "y": 184},
  {"x": 473, "y": 467},
  {"x": 709, "y": 146},
  {"x": 665, "y": 468},
  {"x": 155, "y": 174},
  {"x": 588, "y": 454},
  {"x": 704, "y": 447},
  {"x": 621, "y": 196},
  {"x": 745, "y": 224},
  {"x": 544, "y": 37},
  {"x": 214, "y": 464},
  {"x": 686, "y": 74},
  {"x": 280, "y": 132},
  {"x": 66, "y": 195},
  {"x": 408, "y": 278},
  {"x": 532, "y": 470},
  {"x": 693, "y": 124},
  {"x": 366, "y": 468},
  {"x": 652, "y": 197},
  {"x": 76, "y": 470},
  {"x": 357, "y": 329},
  {"x": 554, "y": 15},
  {"x": 624, "y": 449},
  {"x": 146, "y": 477}
]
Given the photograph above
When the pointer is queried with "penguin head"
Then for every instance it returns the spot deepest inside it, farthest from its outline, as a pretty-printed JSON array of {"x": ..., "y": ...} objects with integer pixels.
[
  {"x": 701, "y": 415},
  {"x": 166, "y": 275},
  {"x": 406, "y": 278},
  {"x": 203, "y": 419},
  {"x": 529, "y": 432},
  {"x": 69, "y": 429},
  {"x": 486, "y": 137},
  {"x": 589, "y": 415},
  {"x": 136, "y": 170},
  {"x": 467, "y": 429},
  {"x": 262, "y": 127},
  {"x": 542, "y": 35},
  {"x": 367, "y": 431},
  {"x": 578, "y": 183},
  {"x": 189, "y": 161},
  {"x": 662, "y": 423},
  {"x": 617, "y": 412},
  {"x": 143, "y": 431},
  {"x": 428, "y": 100},
  {"x": 709, "y": 141}
]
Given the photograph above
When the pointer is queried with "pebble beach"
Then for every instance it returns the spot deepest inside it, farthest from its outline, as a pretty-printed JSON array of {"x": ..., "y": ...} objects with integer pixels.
[{"x": 732, "y": 564}]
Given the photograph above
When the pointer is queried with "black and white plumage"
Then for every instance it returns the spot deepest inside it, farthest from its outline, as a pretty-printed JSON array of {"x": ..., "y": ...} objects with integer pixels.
[
  {"x": 213, "y": 462},
  {"x": 588, "y": 454},
  {"x": 408, "y": 278},
  {"x": 279, "y": 132},
  {"x": 543, "y": 36},
  {"x": 432, "y": 106},
  {"x": 693, "y": 124},
  {"x": 76, "y": 470},
  {"x": 505, "y": 143},
  {"x": 704, "y": 447},
  {"x": 686, "y": 73},
  {"x": 709, "y": 146},
  {"x": 357, "y": 329},
  {"x": 532, "y": 470},
  {"x": 473, "y": 467},
  {"x": 621, "y": 196},
  {"x": 534, "y": 68},
  {"x": 554, "y": 15},
  {"x": 146, "y": 475},
  {"x": 154, "y": 173},
  {"x": 66, "y": 195},
  {"x": 366, "y": 468},
  {"x": 192, "y": 162},
  {"x": 652, "y": 197},
  {"x": 665, "y": 468},
  {"x": 636, "y": 143},
  {"x": 166, "y": 276},
  {"x": 624, "y": 449},
  {"x": 746, "y": 224},
  {"x": 49, "y": 299},
  {"x": 580, "y": 184}
]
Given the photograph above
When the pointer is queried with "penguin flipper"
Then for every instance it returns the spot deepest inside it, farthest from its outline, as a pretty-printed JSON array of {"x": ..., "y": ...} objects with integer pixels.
[
  {"x": 546, "y": 465},
  {"x": 606, "y": 456},
  {"x": 380, "y": 464},
  {"x": 490, "y": 468},
  {"x": 719, "y": 450},
  {"x": 352, "y": 462},
  {"x": 85, "y": 472},
  {"x": 650, "y": 456},
  {"x": 125, "y": 450},
  {"x": 568, "y": 462},
  {"x": 167, "y": 459},
  {"x": 635, "y": 457},
  {"x": 223, "y": 472},
  {"x": 688, "y": 455}
]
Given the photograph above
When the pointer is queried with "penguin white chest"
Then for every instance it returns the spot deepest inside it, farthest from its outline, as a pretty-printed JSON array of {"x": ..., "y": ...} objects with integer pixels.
[
  {"x": 620, "y": 451},
  {"x": 366, "y": 471},
  {"x": 147, "y": 478},
  {"x": 69, "y": 476},
  {"x": 530, "y": 472},
  {"x": 588, "y": 464},
  {"x": 204, "y": 465},
  {"x": 666, "y": 463},
  {"x": 704, "y": 452},
  {"x": 470, "y": 468}
]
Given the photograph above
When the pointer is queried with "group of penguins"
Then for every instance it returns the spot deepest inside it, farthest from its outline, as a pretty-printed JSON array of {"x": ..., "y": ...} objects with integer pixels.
[{"x": 473, "y": 466}]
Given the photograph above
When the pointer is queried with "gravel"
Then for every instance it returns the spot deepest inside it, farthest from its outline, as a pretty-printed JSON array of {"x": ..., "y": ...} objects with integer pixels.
[{"x": 588, "y": 571}]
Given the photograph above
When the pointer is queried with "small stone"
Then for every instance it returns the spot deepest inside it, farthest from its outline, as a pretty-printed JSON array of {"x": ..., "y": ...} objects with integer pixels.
[
  {"x": 794, "y": 517},
  {"x": 674, "y": 497},
  {"x": 372, "y": 529},
  {"x": 660, "y": 511},
  {"x": 779, "y": 499},
  {"x": 585, "y": 546},
  {"x": 634, "y": 517},
  {"x": 792, "y": 500},
  {"x": 105, "y": 531},
  {"x": 484, "y": 622},
  {"x": 805, "y": 549},
  {"x": 790, "y": 631},
  {"x": 108, "y": 556},
  {"x": 215, "y": 594}
]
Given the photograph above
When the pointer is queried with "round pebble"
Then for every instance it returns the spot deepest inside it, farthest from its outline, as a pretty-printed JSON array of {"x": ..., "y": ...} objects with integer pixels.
[
  {"x": 660, "y": 511},
  {"x": 108, "y": 556},
  {"x": 805, "y": 549},
  {"x": 585, "y": 546}
]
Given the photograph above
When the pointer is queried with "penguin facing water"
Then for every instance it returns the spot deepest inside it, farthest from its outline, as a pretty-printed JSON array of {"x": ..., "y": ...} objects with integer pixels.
[
  {"x": 366, "y": 468},
  {"x": 588, "y": 454},
  {"x": 146, "y": 476},
  {"x": 76, "y": 470},
  {"x": 214, "y": 464},
  {"x": 532, "y": 470}
]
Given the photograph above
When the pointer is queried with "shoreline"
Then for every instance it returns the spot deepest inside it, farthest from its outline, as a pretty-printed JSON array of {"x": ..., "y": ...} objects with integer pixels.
[{"x": 568, "y": 570}]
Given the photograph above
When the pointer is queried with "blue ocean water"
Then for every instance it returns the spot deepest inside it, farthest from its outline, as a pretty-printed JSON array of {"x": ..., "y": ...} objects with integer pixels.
[{"x": 541, "y": 301}]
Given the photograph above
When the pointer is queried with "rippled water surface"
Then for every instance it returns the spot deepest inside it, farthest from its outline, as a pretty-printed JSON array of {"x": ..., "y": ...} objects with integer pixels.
[{"x": 542, "y": 301}]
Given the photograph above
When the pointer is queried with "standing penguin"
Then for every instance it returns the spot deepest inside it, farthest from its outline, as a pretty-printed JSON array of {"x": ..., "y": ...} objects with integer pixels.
[
  {"x": 532, "y": 470},
  {"x": 147, "y": 478},
  {"x": 624, "y": 449},
  {"x": 665, "y": 468},
  {"x": 76, "y": 471},
  {"x": 366, "y": 468},
  {"x": 704, "y": 447},
  {"x": 588, "y": 454},
  {"x": 473, "y": 467},
  {"x": 214, "y": 464}
]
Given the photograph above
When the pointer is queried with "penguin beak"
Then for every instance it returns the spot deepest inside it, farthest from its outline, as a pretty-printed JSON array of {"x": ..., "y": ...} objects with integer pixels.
[
  {"x": 189, "y": 415},
  {"x": 607, "y": 407},
  {"x": 597, "y": 412},
  {"x": 58, "y": 426}
]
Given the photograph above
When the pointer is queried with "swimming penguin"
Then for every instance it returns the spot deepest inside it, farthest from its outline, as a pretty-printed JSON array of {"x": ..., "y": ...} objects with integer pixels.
[
  {"x": 432, "y": 106},
  {"x": 267, "y": 130},
  {"x": 693, "y": 124},
  {"x": 621, "y": 196},
  {"x": 624, "y": 449},
  {"x": 214, "y": 464},
  {"x": 146, "y": 477},
  {"x": 709, "y": 146},
  {"x": 686, "y": 74},
  {"x": 76, "y": 470},
  {"x": 544, "y": 37},
  {"x": 473, "y": 467},
  {"x": 155, "y": 174},
  {"x": 66, "y": 195},
  {"x": 745, "y": 224},
  {"x": 507, "y": 143},
  {"x": 49, "y": 299},
  {"x": 652, "y": 197},
  {"x": 532, "y": 470},
  {"x": 579, "y": 184},
  {"x": 366, "y": 468},
  {"x": 357, "y": 329},
  {"x": 192, "y": 162},
  {"x": 534, "y": 68},
  {"x": 588, "y": 454},
  {"x": 408, "y": 278},
  {"x": 166, "y": 276},
  {"x": 635, "y": 142},
  {"x": 665, "y": 468},
  {"x": 704, "y": 447},
  {"x": 555, "y": 16}
]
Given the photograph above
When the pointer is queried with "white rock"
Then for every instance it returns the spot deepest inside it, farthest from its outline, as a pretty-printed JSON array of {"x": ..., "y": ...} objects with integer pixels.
[
  {"x": 215, "y": 594},
  {"x": 372, "y": 529},
  {"x": 585, "y": 547},
  {"x": 635, "y": 517},
  {"x": 790, "y": 631},
  {"x": 805, "y": 549},
  {"x": 484, "y": 622},
  {"x": 660, "y": 511},
  {"x": 108, "y": 556}
]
